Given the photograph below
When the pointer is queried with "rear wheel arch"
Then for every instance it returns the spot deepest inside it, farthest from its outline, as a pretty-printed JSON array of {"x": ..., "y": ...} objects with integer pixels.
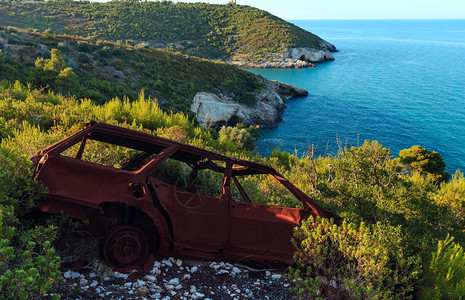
[{"x": 151, "y": 222}]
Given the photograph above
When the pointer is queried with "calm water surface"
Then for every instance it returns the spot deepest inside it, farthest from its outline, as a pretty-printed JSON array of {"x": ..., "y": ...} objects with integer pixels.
[{"x": 401, "y": 82}]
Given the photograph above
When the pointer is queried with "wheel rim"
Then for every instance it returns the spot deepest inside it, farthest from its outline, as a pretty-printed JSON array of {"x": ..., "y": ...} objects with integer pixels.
[{"x": 125, "y": 248}]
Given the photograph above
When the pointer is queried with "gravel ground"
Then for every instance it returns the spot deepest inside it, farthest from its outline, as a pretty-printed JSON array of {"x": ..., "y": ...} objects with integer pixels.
[{"x": 176, "y": 279}]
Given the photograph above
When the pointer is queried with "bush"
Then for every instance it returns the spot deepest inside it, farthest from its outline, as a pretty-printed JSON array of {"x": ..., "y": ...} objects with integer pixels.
[
  {"x": 29, "y": 266},
  {"x": 239, "y": 137},
  {"x": 361, "y": 262},
  {"x": 445, "y": 274}
]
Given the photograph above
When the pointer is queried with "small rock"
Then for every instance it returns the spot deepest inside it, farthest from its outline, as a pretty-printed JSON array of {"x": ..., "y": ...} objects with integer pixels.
[
  {"x": 333, "y": 283},
  {"x": 92, "y": 275},
  {"x": 276, "y": 276},
  {"x": 140, "y": 282},
  {"x": 169, "y": 287},
  {"x": 128, "y": 284},
  {"x": 107, "y": 278},
  {"x": 268, "y": 274},
  {"x": 83, "y": 281},
  {"x": 71, "y": 275},
  {"x": 174, "y": 281},
  {"x": 194, "y": 269},
  {"x": 151, "y": 278},
  {"x": 121, "y": 275},
  {"x": 167, "y": 263},
  {"x": 178, "y": 262},
  {"x": 197, "y": 295},
  {"x": 187, "y": 276},
  {"x": 222, "y": 272},
  {"x": 236, "y": 270}
]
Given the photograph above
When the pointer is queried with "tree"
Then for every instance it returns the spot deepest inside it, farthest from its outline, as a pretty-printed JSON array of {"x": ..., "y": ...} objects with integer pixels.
[
  {"x": 429, "y": 164},
  {"x": 67, "y": 80}
]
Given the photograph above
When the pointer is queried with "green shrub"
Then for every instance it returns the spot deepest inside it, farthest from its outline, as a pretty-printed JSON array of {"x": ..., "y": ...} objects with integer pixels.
[
  {"x": 445, "y": 274},
  {"x": 360, "y": 262},
  {"x": 29, "y": 266},
  {"x": 240, "y": 137}
]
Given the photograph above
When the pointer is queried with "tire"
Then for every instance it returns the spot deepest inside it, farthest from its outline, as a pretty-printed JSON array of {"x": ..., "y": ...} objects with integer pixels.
[{"x": 125, "y": 248}]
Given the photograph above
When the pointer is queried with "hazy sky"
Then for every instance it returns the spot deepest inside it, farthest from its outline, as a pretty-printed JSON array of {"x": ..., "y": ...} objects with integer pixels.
[{"x": 357, "y": 9}]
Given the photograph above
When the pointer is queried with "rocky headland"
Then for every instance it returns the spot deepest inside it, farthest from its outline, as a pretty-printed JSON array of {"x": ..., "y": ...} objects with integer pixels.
[
  {"x": 297, "y": 57},
  {"x": 216, "y": 110}
]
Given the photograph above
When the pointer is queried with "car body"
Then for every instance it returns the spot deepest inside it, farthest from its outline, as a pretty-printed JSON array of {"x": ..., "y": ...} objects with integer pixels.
[{"x": 144, "y": 195}]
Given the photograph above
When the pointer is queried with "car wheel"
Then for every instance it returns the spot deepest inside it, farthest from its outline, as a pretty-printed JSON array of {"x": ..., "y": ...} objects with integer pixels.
[{"x": 125, "y": 248}]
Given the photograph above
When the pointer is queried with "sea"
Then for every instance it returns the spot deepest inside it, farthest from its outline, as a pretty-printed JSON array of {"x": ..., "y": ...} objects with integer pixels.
[{"x": 400, "y": 82}]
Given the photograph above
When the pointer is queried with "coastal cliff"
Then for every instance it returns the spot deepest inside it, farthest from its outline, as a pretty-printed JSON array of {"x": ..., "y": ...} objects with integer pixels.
[
  {"x": 214, "y": 110},
  {"x": 297, "y": 57}
]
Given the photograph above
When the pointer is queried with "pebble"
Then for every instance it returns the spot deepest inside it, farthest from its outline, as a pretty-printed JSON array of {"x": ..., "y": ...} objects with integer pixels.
[
  {"x": 194, "y": 269},
  {"x": 151, "y": 278},
  {"x": 71, "y": 275},
  {"x": 276, "y": 276},
  {"x": 167, "y": 263},
  {"x": 236, "y": 270},
  {"x": 83, "y": 281}
]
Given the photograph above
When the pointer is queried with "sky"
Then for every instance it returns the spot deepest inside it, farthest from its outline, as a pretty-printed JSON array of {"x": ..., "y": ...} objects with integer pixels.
[{"x": 356, "y": 9}]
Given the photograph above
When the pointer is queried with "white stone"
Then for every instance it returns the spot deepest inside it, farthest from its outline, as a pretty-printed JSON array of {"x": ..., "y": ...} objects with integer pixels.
[
  {"x": 174, "y": 281},
  {"x": 92, "y": 275},
  {"x": 236, "y": 270},
  {"x": 276, "y": 276},
  {"x": 333, "y": 283},
  {"x": 140, "y": 282},
  {"x": 121, "y": 275},
  {"x": 169, "y": 287},
  {"x": 151, "y": 278},
  {"x": 178, "y": 262},
  {"x": 194, "y": 269},
  {"x": 220, "y": 272},
  {"x": 187, "y": 276},
  {"x": 71, "y": 275},
  {"x": 83, "y": 281},
  {"x": 267, "y": 273},
  {"x": 167, "y": 263},
  {"x": 197, "y": 295},
  {"x": 128, "y": 284}
]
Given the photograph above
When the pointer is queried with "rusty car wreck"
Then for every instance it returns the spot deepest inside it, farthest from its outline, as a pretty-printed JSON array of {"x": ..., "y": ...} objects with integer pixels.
[{"x": 144, "y": 196}]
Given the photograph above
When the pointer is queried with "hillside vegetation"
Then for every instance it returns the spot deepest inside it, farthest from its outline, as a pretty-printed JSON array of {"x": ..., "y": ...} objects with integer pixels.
[
  {"x": 200, "y": 29},
  {"x": 99, "y": 70}
]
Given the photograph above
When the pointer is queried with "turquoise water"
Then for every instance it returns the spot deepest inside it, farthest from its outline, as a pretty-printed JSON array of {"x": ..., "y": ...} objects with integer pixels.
[{"x": 401, "y": 82}]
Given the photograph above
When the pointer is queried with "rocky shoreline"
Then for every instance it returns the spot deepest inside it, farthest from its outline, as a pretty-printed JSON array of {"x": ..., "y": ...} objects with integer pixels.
[
  {"x": 297, "y": 57},
  {"x": 214, "y": 110}
]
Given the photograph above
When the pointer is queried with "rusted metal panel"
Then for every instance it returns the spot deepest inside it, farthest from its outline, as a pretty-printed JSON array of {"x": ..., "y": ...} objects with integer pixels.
[{"x": 143, "y": 215}]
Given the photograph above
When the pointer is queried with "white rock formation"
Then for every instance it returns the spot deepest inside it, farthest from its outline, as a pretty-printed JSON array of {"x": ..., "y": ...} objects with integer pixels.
[
  {"x": 310, "y": 55},
  {"x": 213, "y": 111}
]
